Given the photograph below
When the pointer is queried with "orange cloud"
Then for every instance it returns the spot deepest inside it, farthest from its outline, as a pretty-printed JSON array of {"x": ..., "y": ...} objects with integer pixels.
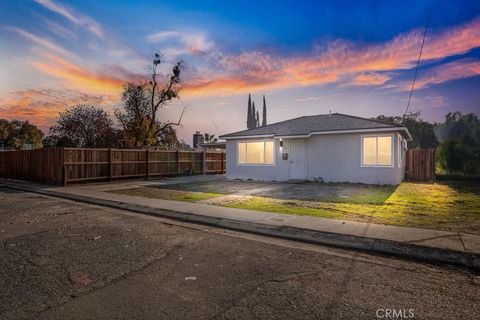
[
  {"x": 365, "y": 79},
  {"x": 80, "y": 78},
  {"x": 42, "y": 106},
  {"x": 340, "y": 60}
]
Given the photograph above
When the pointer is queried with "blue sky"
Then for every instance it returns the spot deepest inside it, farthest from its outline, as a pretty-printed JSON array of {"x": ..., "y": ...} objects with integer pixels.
[{"x": 355, "y": 57}]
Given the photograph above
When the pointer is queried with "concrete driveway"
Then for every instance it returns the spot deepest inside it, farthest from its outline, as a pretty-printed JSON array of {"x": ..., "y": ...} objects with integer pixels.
[{"x": 66, "y": 260}]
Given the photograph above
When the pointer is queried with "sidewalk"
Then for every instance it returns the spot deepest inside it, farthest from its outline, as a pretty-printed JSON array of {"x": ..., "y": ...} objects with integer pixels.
[{"x": 422, "y": 244}]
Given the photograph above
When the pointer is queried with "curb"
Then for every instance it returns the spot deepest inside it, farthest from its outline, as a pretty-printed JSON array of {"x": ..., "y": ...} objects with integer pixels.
[{"x": 371, "y": 245}]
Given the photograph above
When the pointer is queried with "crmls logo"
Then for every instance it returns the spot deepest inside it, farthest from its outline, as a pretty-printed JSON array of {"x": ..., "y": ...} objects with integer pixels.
[{"x": 395, "y": 314}]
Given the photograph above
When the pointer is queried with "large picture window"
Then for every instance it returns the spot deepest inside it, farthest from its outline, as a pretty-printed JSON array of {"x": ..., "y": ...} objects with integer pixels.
[
  {"x": 377, "y": 151},
  {"x": 258, "y": 152}
]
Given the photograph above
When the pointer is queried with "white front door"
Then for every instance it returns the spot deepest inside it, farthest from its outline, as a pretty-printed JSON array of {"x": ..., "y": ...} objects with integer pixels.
[{"x": 297, "y": 157}]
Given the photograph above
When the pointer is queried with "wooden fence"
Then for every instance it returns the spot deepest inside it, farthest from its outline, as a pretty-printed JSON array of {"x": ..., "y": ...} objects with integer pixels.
[
  {"x": 65, "y": 165},
  {"x": 420, "y": 165}
]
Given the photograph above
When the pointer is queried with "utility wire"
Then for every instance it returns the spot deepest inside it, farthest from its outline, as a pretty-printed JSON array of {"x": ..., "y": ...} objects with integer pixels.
[{"x": 416, "y": 69}]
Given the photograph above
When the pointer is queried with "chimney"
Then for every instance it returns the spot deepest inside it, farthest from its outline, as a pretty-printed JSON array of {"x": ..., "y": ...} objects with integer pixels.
[{"x": 197, "y": 139}]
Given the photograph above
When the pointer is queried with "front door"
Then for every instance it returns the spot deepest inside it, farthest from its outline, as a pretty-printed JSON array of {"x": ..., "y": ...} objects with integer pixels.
[{"x": 297, "y": 154}]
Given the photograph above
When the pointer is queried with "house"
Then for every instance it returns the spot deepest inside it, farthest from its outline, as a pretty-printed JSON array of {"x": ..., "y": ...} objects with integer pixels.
[{"x": 329, "y": 147}]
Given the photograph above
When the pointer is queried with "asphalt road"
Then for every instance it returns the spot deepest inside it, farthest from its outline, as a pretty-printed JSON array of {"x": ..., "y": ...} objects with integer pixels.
[{"x": 66, "y": 260}]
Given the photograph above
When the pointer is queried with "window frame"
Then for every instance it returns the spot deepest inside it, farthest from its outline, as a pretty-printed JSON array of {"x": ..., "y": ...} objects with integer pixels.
[
  {"x": 399, "y": 151},
  {"x": 256, "y": 164},
  {"x": 392, "y": 151}
]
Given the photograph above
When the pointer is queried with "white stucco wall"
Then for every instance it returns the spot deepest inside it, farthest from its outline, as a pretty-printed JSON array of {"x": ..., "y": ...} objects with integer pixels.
[
  {"x": 333, "y": 157},
  {"x": 337, "y": 158}
]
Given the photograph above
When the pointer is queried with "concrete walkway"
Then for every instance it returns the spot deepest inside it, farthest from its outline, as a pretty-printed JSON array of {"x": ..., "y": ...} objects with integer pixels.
[{"x": 427, "y": 245}]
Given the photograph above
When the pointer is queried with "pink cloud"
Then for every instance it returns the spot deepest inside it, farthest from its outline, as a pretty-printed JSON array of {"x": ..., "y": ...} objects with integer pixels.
[{"x": 459, "y": 69}]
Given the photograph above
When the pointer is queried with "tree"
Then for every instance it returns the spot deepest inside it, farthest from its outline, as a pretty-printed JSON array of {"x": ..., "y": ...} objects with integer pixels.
[
  {"x": 254, "y": 116},
  {"x": 83, "y": 126},
  {"x": 264, "y": 115},
  {"x": 422, "y": 132},
  {"x": 169, "y": 138},
  {"x": 459, "y": 150},
  {"x": 209, "y": 138},
  {"x": 141, "y": 103},
  {"x": 249, "y": 113},
  {"x": 258, "y": 120},
  {"x": 17, "y": 134}
]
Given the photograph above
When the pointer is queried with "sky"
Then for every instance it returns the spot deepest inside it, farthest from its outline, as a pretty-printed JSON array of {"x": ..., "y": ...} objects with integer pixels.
[{"x": 306, "y": 57}]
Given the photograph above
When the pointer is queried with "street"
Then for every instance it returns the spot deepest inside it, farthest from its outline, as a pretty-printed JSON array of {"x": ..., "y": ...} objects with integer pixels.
[{"x": 65, "y": 260}]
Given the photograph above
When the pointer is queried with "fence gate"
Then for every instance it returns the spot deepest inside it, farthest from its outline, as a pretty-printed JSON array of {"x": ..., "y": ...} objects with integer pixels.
[{"x": 420, "y": 165}]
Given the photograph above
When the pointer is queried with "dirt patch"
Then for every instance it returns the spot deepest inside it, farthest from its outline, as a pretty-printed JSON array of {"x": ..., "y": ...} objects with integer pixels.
[{"x": 337, "y": 192}]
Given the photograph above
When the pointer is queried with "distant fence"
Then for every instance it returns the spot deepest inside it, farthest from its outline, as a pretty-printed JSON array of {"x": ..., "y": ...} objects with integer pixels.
[
  {"x": 65, "y": 165},
  {"x": 420, "y": 165}
]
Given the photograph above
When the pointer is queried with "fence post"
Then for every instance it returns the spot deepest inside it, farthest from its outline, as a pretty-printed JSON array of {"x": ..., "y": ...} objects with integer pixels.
[
  {"x": 64, "y": 175},
  {"x": 204, "y": 161},
  {"x": 178, "y": 161},
  {"x": 221, "y": 163},
  {"x": 110, "y": 165},
  {"x": 434, "y": 165},
  {"x": 147, "y": 164}
]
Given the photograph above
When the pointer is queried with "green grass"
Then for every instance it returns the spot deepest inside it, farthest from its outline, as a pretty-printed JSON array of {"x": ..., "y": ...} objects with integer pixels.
[
  {"x": 443, "y": 206},
  {"x": 166, "y": 194},
  {"x": 453, "y": 206},
  {"x": 195, "y": 196}
]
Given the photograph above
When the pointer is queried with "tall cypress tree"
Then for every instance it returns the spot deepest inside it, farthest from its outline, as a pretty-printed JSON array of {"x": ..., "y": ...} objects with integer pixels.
[
  {"x": 264, "y": 116},
  {"x": 249, "y": 116},
  {"x": 254, "y": 112},
  {"x": 258, "y": 120}
]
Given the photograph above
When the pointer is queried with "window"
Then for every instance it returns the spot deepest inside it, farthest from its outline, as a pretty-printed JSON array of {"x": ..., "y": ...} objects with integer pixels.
[
  {"x": 377, "y": 151},
  {"x": 258, "y": 152}
]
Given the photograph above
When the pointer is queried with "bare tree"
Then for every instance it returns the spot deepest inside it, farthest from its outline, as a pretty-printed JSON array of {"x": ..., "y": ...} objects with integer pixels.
[{"x": 143, "y": 101}]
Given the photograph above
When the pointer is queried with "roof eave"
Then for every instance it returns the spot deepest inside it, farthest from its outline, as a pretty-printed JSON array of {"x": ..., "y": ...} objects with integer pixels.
[
  {"x": 227, "y": 137},
  {"x": 290, "y": 136}
]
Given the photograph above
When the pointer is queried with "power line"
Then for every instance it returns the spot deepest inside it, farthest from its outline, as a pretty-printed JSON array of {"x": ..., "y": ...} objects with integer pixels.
[{"x": 416, "y": 69}]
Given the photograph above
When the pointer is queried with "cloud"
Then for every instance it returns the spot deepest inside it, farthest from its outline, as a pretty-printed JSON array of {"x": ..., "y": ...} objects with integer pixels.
[
  {"x": 179, "y": 43},
  {"x": 42, "y": 42},
  {"x": 60, "y": 30},
  {"x": 43, "y": 105},
  {"x": 215, "y": 72},
  {"x": 74, "y": 17},
  {"x": 80, "y": 78},
  {"x": 308, "y": 99},
  {"x": 330, "y": 62},
  {"x": 328, "y": 96},
  {"x": 459, "y": 69},
  {"x": 371, "y": 78}
]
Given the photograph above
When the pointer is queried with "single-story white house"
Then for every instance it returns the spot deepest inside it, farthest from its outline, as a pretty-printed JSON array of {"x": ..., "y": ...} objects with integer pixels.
[{"x": 329, "y": 147}]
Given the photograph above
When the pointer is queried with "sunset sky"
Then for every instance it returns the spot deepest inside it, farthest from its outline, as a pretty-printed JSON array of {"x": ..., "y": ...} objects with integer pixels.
[{"x": 308, "y": 58}]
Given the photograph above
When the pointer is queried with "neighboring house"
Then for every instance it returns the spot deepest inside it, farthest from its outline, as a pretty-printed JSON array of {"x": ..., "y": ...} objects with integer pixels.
[{"x": 332, "y": 148}]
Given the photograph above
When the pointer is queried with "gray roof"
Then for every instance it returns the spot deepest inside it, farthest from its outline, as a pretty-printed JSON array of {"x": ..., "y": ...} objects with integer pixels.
[{"x": 309, "y": 124}]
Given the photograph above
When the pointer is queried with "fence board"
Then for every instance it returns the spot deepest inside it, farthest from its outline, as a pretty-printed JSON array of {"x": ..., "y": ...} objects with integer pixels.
[
  {"x": 420, "y": 165},
  {"x": 63, "y": 165},
  {"x": 42, "y": 165}
]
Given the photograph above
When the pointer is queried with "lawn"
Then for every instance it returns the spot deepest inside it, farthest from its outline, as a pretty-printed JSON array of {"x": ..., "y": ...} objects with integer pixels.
[
  {"x": 166, "y": 194},
  {"x": 453, "y": 206}
]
